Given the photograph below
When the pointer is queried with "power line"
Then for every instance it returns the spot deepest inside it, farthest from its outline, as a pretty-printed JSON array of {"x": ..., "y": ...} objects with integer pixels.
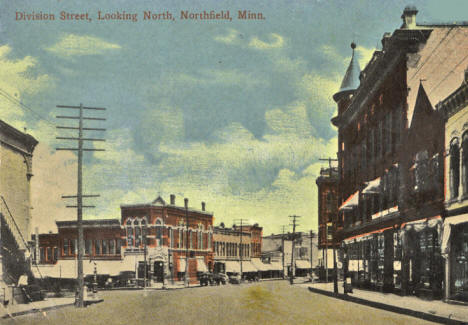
[{"x": 18, "y": 103}]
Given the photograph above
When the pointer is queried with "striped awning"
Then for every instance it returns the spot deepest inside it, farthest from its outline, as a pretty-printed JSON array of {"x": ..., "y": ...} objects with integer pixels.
[
  {"x": 351, "y": 202},
  {"x": 373, "y": 187}
]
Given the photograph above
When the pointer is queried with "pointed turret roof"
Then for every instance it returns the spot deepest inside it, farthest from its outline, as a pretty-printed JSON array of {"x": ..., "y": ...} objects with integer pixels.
[{"x": 351, "y": 79}]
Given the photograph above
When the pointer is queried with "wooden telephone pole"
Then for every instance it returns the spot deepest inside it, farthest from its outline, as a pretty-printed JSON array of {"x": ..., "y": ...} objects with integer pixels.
[
  {"x": 79, "y": 196},
  {"x": 241, "y": 221},
  {"x": 293, "y": 266}
]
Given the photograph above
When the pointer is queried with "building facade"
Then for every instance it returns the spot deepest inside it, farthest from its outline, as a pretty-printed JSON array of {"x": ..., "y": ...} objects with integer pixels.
[
  {"x": 390, "y": 166},
  {"x": 454, "y": 245},
  {"x": 16, "y": 152},
  {"x": 327, "y": 184},
  {"x": 175, "y": 235},
  {"x": 230, "y": 247}
]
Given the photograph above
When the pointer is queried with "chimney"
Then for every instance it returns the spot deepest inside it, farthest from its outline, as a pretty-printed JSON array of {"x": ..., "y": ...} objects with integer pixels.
[
  {"x": 186, "y": 203},
  {"x": 409, "y": 17},
  {"x": 172, "y": 199},
  {"x": 203, "y": 206}
]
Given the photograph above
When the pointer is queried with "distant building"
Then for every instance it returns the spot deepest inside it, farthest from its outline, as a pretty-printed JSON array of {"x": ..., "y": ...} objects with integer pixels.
[
  {"x": 230, "y": 247},
  {"x": 327, "y": 184},
  {"x": 277, "y": 251},
  {"x": 16, "y": 153}
]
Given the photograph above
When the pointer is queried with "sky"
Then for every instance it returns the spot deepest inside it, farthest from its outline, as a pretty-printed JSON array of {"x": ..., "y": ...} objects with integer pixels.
[{"x": 233, "y": 113}]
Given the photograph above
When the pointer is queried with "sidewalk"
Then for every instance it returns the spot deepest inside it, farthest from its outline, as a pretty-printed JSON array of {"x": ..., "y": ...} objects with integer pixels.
[
  {"x": 36, "y": 306},
  {"x": 435, "y": 310}
]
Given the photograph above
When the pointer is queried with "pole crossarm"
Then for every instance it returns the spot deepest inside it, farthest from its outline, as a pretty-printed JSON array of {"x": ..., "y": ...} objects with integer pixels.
[
  {"x": 82, "y": 149},
  {"x": 84, "y": 129},
  {"x": 81, "y": 118},
  {"x": 75, "y": 196},
  {"x": 83, "y": 206},
  {"x": 83, "y": 107},
  {"x": 84, "y": 139}
]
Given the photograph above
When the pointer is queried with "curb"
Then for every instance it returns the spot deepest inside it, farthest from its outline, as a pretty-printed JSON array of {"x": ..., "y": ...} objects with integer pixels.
[
  {"x": 34, "y": 310},
  {"x": 395, "y": 309}
]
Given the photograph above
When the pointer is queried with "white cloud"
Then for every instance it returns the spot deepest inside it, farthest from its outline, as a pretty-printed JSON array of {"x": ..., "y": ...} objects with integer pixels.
[
  {"x": 78, "y": 45},
  {"x": 232, "y": 37},
  {"x": 277, "y": 41},
  {"x": 15, "y": 83}
]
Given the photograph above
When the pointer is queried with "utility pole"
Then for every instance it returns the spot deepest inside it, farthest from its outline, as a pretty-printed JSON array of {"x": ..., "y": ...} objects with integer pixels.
[
  {"x": 311, "y": 249},
  {"x": 291, "y": 279},
  {"x": 240, "y": 246},
  {"x": 282, "y": 246},
  {"x": 79, "y": 196},
  {"x": 186, "y": 278}
]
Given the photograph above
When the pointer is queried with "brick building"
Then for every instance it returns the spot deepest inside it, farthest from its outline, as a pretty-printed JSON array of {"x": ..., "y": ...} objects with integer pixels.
[
  {"x": 390, "y": 166},
  {"x": 174, "y": 235},
  {"x": 16, "y": 152},
  {"x": 327, "y": 184},
  {"x": 230, "y": 247}
]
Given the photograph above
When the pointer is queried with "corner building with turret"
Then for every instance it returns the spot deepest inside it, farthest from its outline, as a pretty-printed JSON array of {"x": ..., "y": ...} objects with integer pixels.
[{"x": 391, "y": 157}]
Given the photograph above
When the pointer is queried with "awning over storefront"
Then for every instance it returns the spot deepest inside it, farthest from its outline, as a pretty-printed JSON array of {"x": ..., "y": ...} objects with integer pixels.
[
  {"x": 259, "y": 265},
  {"x": 181, "y": 264},
  {"x": 351, "y": 202},
  {"x": 201, "y": 266},
  {"x": 67, "y": 269},
  {"x": 447, "y": 229},
  {"x": 232, "y": 267},
  {"x": 247, "y": 266},
  {"x": 276, "y": 266},
  {"x": 373, "y": 187},
  {"x": 302, "y": 264}
]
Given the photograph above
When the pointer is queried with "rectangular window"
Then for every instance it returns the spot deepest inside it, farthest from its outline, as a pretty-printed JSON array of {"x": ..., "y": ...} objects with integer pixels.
[
  {"x": 87, "y": 250},
  {"x": 42, "y": 252},
  {"x": 105, "y": 246},
  {"x": 56, "y": 252},
  {"x": 112, "y": 247},
  {"x": 66, "y": 248},
  {"x": 97, "y": 247},
  {"x": 72, "y": 246},
  {"x": 49, "y": 254},
  {"x": 117, "y": 248}
]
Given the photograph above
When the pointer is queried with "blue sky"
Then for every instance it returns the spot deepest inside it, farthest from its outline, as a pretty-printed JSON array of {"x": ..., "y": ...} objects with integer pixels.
[{"x": 232, "y": 113}]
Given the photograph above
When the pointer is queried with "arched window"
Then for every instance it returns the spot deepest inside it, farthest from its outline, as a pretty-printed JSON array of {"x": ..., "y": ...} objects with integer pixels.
[
  {"x": 190, "y": 239},
  {"x": 159, "y": 232},
  {"x": 137, "y": 230},
  {"x": 200, "y": 236},
  {"x": 454, "y": 168},
  {"x": 171, "y": 238},
  {"x": 464, "y": 163},
  {"x": 129, "y": 233}
]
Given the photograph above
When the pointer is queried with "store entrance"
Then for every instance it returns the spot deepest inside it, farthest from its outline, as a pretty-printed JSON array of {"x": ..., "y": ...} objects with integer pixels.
[{"x": 159, "y": 271}]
